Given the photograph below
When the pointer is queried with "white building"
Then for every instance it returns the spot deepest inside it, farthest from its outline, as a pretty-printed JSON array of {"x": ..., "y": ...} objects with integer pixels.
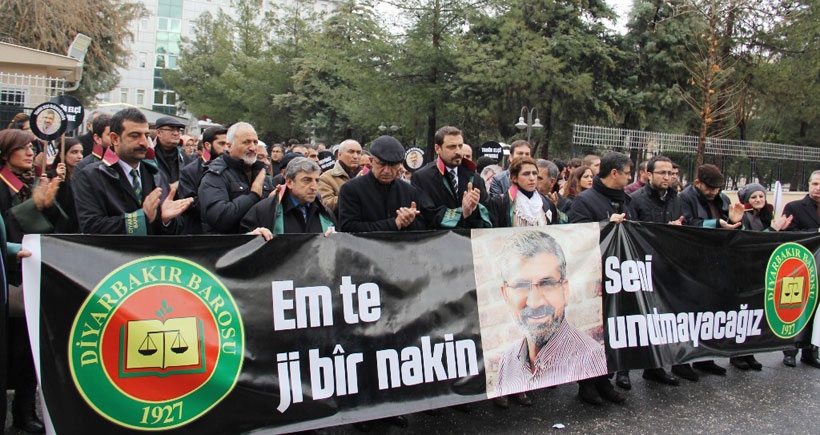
[{"x": 156, "y": 47}]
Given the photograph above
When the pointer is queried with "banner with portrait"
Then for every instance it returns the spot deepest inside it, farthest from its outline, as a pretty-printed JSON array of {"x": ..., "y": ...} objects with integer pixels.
[{"x": 229, "y": 334}]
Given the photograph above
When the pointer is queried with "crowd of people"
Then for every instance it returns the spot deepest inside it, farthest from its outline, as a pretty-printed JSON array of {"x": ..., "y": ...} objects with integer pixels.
[{"x": 123, "y": 177}]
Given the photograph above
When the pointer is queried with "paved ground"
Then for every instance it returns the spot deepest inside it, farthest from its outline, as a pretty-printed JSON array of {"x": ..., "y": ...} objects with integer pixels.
[{"x": 778, "y": 400}]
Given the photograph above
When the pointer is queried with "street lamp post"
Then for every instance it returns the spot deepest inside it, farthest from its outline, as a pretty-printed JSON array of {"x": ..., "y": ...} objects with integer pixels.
[
  {"x": 529, "y": 125},
  {"x": 393, "y": 128}
]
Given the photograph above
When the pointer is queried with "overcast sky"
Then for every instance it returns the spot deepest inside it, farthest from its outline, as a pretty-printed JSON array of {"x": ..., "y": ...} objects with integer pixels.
[{"x": 622, "y": 8}]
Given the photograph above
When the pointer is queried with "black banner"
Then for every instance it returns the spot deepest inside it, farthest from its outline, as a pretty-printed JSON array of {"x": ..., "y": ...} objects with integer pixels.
[
  {"x": 228, "y": 334},
  {"x": 672, "y": 294}
]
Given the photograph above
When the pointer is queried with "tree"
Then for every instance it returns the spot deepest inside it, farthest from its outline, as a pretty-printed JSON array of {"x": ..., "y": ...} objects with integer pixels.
[
  {"x": 556, "y": 56},
  {"x": 51, "y": 25},
  {"x": 340, "y": 80},
  {"x": 228, "y": 72},
  {"x": 426, "y": 65}
]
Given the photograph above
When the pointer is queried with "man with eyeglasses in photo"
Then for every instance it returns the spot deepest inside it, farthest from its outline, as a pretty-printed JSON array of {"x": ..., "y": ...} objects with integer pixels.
[
  {"x": 378, "y": 201},
  {"x": 168, "y": 148},
  {"x": 536, "y": 290}
]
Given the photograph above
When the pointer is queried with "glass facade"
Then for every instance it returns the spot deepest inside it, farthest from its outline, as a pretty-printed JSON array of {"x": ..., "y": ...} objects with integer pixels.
[{"x": 168, "y": 37}]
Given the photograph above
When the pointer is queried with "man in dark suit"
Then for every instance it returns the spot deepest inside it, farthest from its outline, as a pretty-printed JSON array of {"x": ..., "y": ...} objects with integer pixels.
[
  {"x": 806, "y": 212},
  {"x": 454, "y": 195},
  {"x": 805, "y": 217},
  {"x": 123, "y": 195}
]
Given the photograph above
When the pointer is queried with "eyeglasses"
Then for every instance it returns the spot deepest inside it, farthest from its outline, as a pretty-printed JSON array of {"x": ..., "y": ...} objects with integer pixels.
[
  {"x": 664, "y": 173},
  {"x": 172, "y": 130},
  {"x": 543, "y": 285}
]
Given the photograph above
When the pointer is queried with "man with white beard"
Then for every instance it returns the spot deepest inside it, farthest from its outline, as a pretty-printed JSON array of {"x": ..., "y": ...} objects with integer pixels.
[{"x": 234, "y": 183}]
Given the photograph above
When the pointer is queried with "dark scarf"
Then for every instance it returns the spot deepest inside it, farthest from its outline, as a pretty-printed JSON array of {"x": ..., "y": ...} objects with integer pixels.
[
  {"x": 616, "y": 195},
  {"x": 27, "y": 177}
]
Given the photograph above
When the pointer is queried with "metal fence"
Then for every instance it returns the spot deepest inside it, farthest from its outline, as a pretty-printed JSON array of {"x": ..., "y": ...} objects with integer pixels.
[
  {"x": 741, "y": 161},
  {"x": 21, "y": 92}
]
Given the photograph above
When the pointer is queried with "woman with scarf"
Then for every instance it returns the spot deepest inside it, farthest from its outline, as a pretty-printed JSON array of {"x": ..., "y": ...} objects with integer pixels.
[
  {"x": 28, "y": 207},
  {"x": 522, "y": 205},
  {"x": 758, "y": 216}
]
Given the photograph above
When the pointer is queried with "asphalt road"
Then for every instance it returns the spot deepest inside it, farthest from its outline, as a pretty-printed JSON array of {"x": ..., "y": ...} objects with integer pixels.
[{"x": 777, "y": 400}]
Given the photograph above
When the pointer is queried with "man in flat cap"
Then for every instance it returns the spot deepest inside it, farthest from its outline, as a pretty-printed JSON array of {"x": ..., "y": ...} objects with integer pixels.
[
  {"x": 168, "y": 148},
  {"x": 704, "y": 205},
  {"x": 378, "y": 201}
]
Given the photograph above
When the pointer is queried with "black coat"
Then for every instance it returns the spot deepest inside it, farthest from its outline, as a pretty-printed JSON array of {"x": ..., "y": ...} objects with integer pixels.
[
  {"x": 648, "y": 206},
  {"x": 189, "y": 179},
  {"x": 599, "y": 203},
  {"x": 106, "y": 202},
  {"x": 170, "y": 162},
  {"x": 367, "y": 205},
  {"x": 25, "y": 217},
  {"x": 804, "y": 214},
  {"x": 500, "y": 206},
  {"x": 439, "y": 201},
  {"x": 225, "y": 194},
  {"x": 263, "y": 214},
  {"x": 696, "y": 210}
]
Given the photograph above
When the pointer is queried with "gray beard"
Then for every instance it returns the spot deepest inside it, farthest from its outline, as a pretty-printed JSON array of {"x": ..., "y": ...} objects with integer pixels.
[{"x": 541, "y": 335}]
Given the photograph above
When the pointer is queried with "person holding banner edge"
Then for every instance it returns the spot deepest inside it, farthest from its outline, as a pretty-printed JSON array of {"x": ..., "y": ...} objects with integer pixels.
[
  {"x": 28, "y": 206},
  {"x": 605, "y": 202},
  {"x": 805, "y": 216}
]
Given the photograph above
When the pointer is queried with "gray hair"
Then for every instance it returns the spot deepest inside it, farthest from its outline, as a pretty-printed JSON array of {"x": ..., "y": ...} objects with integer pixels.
[
  {"x": 815, "y": 172},
  {"x": 345, "y": 143},
  {"x": 300, "y": 164},
  {"x": 552, "y": 168},
  {"x": 528, "y": 244},
  {"x": 234, "y": 128}
]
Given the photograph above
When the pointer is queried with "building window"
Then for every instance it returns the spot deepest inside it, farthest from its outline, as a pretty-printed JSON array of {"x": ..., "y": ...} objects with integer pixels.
[
  {"x": 165, "y": 98},
  {"x": 140, "y": 97},
  {"x": 123, "y": 95}
]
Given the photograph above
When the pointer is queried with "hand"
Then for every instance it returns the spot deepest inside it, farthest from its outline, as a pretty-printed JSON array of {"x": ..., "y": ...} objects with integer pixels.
[
  {"x": 736, "y": 212},
  {"x": 782, "y": 222},
  {"x": 553, "y": 197},
  {"x": 150, "y": 204},
  {"x": 258, "y": 185},
  {"x": 172, "y": 208},
  {"x": 678, "y": 221},
  {"x": 23, "y": 254},
  {"x": 38, "y": 159},
  {"x": 469, "y": 202},
  {"x": 406, "y": 215},
  {"x": 275, "y": 190},
  {"x": 330, "y": 230},
  {"x": 727, "y": 226},
  {"x": 264, "y": 232},
  {"x": 60, "y": 170},
  {"x": 43, "y": 195},
  {"x": 617, "y": 218}
]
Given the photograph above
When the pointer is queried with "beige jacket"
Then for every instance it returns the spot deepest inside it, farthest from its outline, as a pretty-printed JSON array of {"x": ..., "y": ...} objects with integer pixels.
[{"x": 329, "y": 184}]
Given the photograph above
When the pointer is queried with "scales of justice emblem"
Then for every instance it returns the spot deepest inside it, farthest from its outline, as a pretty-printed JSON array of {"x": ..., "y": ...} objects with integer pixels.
[{"x": 162, "y": 346}]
